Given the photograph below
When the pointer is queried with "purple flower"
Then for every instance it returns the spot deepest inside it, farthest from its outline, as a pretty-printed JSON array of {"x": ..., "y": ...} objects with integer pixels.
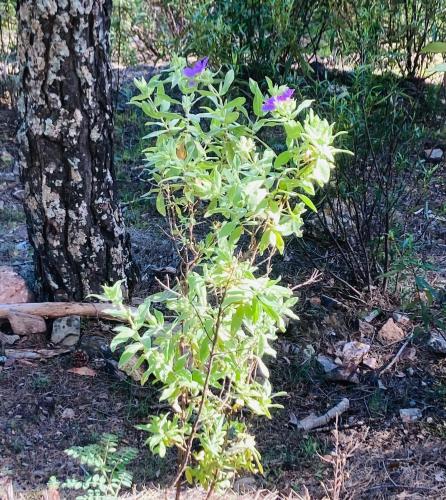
[
  {"x": 287, "y": 94},
  {"x": 196, "y": 69},
  {"x": 271, "y": 103}
]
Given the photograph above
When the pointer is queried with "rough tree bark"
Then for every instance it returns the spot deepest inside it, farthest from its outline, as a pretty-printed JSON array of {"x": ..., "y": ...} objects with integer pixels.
[{"x": 66, "y": 158}]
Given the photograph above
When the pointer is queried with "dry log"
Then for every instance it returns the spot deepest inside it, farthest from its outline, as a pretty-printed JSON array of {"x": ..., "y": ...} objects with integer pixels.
[
  {"x": 34, "y": 353},
  {"x": 52, "y": 310},
  {"x": 313, "y": 421}
]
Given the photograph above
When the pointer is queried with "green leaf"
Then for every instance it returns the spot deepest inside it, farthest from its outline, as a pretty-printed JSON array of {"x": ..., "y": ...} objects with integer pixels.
[
  {"x": 304, "y": 105},
  {"x": 236, "y": 103},
  {"x": 264, "y": 240},
  {"x": 307, "y": 202},
  {"x": 321, "y": 171},
  {"x": 279, "y": 243},
  {"x": 205, "y": 349},
  {"x": 160, "y": 205},
  {"x": 258, "y": 97},
  {"x": 293, "y": 129},
  {"x": 435, "y": 47},
  {"x": 229, "y": 78},
  {"x": 129, "y": 352},
  {"x": 125, "y": 334},
  {"x": 226, "y": 229},
  {"x": 235, "y": 235},
  {"x": 237, "y": 319},
  {"x": 283, "y": 158}
]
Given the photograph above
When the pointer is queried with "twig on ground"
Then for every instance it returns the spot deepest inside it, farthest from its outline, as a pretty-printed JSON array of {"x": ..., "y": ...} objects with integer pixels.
[
  {"x": 316, "y": 276},
  {"x": 313, "y": 421},
  {"x": 398, "y": 355}
]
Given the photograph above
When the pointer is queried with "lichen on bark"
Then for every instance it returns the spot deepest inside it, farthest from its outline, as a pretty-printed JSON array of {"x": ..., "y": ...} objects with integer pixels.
[{"x": 66, "y": 139}]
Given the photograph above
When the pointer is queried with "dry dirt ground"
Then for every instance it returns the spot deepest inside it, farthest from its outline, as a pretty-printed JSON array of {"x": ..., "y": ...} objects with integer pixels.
[{"x": 375, "y": 455}]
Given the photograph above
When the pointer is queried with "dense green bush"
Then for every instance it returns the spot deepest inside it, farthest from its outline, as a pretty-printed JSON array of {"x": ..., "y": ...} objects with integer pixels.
[
  {"x": 261, "y": 37},
  {"x": 258, "y": 37},
  {"x": 387, "y": 34}
]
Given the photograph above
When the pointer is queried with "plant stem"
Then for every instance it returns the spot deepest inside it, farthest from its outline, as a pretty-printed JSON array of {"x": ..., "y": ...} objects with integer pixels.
[{"x": 187, "y": 453}]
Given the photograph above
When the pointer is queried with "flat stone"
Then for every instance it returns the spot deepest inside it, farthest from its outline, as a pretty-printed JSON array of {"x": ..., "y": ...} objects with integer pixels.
[
  {"x": 410, "y": 415},
  {"x": 354, "y": 352},
  {"x": 370, "y": 362},
  {"x": 437, "y": 341},
  {"x": 68, "y": 413},
  {"x": 402, "y": 319},
  {"x": 326, "y": 363},
  {"x": 13, "y": 288},
  {"x": 66, "y": 331},
  {"x": 25, "y": 324},
  {"x": 366, "y": 329},
  {"x": 8, "y": 339},
  {"x": 390, "y": 332},
  {"x": 433, "y": 154}
]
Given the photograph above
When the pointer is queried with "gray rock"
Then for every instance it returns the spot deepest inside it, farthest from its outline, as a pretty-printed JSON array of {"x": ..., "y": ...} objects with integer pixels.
[
  {"x": 434, "y": 154},
  {"x": 401, "y": 318},
  {"x": 7, "y": 177},
  {"x": 354, "y": 352},
  {"x": 22, "y": 246},
  {"x": 437, "y": 341},
  {"x": 66, "y": 331},
  {"x": 326, "y": 363},
  {"x": 410, "y": 415}
]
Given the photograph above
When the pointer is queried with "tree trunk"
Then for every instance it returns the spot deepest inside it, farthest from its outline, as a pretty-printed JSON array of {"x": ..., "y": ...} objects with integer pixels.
[{"x": 66, "y": 147}]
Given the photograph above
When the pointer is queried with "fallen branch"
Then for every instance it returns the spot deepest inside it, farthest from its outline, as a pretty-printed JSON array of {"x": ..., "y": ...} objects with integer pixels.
[
  {"x": 53, "y": 310},
  {"x": 398, "y": 355},
  {"x": 313, "y": 421},
  {"x": 35, "y": 353}
]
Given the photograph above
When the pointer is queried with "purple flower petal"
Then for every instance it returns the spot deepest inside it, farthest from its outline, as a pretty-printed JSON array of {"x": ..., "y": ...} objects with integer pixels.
[
  {"x": 196, "y": 69},
  {"x": 287, "y": 94},
  {"x": 202, "y": 64},
  {"x": 189, "y": 72},
  {"x": 269, "y": 104}
]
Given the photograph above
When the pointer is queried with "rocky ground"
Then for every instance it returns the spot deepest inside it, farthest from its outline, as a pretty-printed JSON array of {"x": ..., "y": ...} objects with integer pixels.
[{"x": 389, "y": 443}]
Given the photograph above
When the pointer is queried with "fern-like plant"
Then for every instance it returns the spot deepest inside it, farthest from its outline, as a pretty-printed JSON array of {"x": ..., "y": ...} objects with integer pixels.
[{"x": 106, "y": 468}]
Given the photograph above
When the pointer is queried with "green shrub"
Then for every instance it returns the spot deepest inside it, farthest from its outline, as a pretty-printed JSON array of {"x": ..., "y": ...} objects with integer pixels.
[
  {"x": 143, "y": 31},
  {"x": 255, "y": 37},
  {"x": 230, "y": 200},
  {"x": 361, "y": 211},
  {"x": 387, "y": 34}
]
